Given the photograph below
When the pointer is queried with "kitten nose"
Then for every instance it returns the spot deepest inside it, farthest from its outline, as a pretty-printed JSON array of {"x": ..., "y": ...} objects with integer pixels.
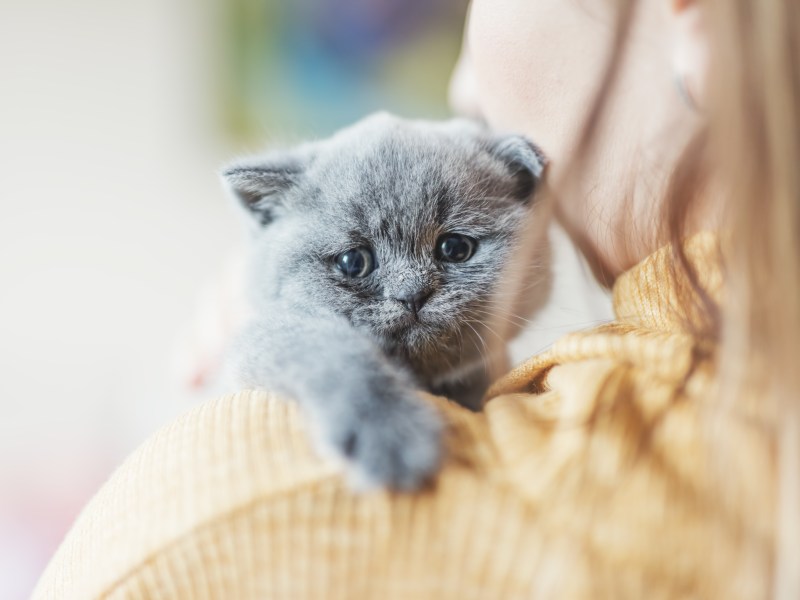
[{"x": 415, "y": 301}]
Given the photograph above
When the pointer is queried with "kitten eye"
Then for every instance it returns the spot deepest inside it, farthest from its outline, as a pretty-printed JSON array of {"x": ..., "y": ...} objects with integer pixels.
[
  {"x": 455, "y": 247},
  {"x": 356, "y": 262}
]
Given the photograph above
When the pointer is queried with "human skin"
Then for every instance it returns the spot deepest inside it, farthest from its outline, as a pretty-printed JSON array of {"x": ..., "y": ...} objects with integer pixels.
[{"x": 535, "y": 66}]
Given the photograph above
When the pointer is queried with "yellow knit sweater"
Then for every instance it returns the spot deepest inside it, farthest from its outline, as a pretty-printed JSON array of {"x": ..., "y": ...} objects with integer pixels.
[{"x": 589, "y": 475}]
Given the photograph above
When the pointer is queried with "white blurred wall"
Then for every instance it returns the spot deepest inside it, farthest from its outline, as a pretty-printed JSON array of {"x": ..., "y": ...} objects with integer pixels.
[
  {"x": 110, "y": 210},
  {"x": 111, "y": 216}
]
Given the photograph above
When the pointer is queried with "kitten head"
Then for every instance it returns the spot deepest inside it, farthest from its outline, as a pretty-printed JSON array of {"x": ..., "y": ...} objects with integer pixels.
[{"x": 402, "y": 227}]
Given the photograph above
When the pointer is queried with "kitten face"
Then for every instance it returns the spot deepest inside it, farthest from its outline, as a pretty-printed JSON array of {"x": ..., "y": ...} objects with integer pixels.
[{"x": 402, "y": 227}]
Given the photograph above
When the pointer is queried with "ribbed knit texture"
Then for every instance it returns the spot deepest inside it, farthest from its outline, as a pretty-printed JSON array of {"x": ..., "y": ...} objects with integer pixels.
[{"x": 588, "y": 475}]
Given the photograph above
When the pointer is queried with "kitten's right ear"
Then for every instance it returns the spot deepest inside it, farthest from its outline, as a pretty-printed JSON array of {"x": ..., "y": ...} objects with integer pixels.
[
  {"x": 261, "y": 184},
  {"x": 524, "y": 161}
]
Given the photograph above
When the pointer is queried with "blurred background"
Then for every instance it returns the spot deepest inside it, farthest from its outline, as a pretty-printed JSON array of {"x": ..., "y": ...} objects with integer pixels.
[{"x": 114, "y": 120}]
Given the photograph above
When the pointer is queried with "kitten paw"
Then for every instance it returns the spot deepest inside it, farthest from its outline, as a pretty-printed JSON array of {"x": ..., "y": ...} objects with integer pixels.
[{"x": 396, "y": 443}]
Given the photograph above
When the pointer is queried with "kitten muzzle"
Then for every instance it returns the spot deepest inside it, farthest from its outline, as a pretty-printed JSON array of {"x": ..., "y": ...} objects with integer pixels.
[{"x": 414, "y": 302}]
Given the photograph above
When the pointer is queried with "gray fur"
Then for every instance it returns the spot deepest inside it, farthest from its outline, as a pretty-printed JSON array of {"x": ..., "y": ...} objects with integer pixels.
[{"x": 347, "y": 349}]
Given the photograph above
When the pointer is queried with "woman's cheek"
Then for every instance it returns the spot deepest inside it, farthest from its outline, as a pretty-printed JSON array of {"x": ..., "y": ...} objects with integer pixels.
[{"x": 536, "y": 65}]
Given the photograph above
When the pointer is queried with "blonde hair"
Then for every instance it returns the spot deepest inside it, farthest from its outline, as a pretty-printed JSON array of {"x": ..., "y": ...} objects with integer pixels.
[
  {"x": 751, "y": 145},
  {"x": 755, "y": 96}
]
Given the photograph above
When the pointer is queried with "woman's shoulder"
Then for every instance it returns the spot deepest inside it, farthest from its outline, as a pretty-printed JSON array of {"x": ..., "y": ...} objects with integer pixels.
[
  {"x": 232, "y": 501},
  {"x": 620, "y": 436}
]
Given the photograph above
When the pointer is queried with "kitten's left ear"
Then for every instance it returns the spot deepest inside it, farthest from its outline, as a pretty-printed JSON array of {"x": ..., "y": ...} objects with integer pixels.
[
  {"x": 524, "y": 161},
  {"x": 262, "y": 184}
]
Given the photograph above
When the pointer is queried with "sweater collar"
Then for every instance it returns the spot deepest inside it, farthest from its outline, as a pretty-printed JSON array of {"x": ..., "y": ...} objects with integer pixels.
[{"x": 658, "y": 295}]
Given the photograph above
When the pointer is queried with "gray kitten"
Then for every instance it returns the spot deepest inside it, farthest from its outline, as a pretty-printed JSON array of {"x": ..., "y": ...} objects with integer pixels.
[{"x": 375, "y": 259}]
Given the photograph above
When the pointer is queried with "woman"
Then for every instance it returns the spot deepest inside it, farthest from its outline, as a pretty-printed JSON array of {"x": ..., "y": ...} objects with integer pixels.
[{"x": 657, "y": 456}]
